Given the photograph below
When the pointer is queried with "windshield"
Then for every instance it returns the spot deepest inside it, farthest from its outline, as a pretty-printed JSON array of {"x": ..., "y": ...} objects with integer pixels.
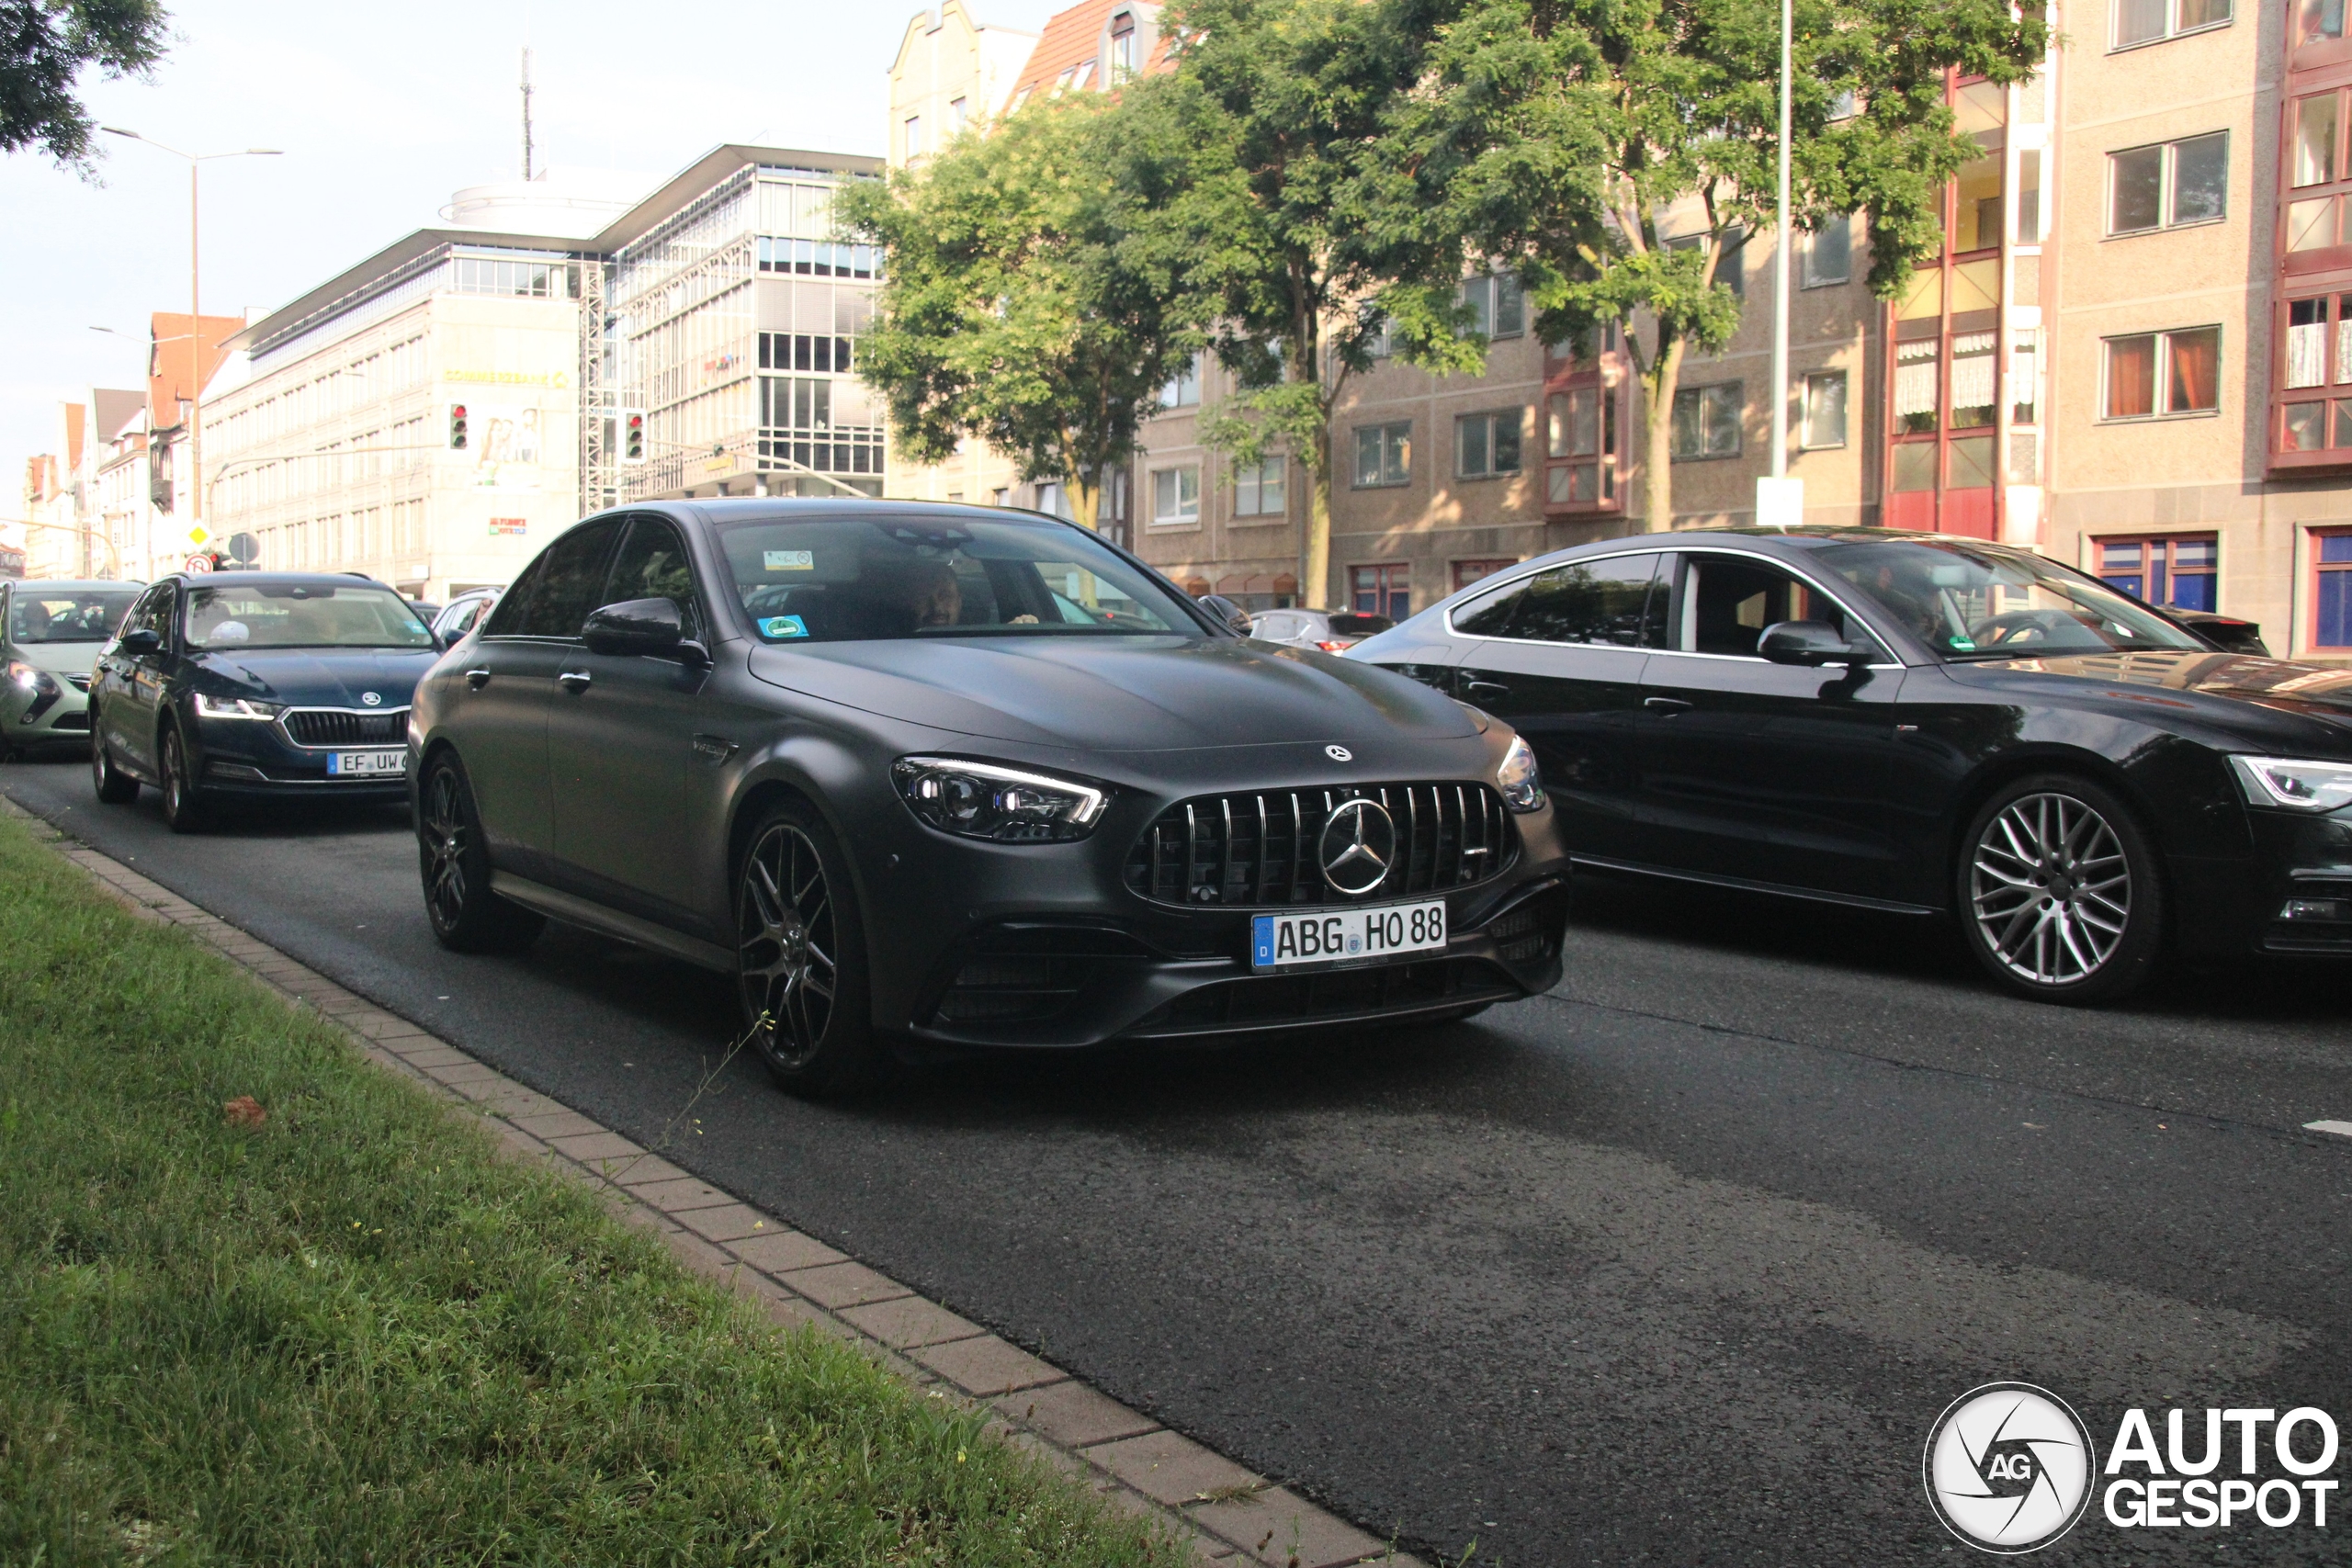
[
  {"x": 884, "y": 577},
  {"x": 302, "y": 614},
  {"x": 1972, "y": 601},
  {"x": 87, "y": 616}
]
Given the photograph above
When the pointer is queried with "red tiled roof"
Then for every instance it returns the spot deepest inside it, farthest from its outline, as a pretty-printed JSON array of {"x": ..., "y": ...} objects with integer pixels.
[
  {"x": 1072, "y": 38},
  {"x": 169, "y": 361}
]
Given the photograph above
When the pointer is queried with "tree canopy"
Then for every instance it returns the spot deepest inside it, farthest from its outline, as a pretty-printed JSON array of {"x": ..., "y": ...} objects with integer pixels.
[
  {"x": 1022, "y": 306},
  {"x": 45, "y": 46}
]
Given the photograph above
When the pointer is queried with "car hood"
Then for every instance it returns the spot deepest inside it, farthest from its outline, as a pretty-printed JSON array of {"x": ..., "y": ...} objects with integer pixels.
[
  {"x": 59, "y": 658},
  {"x": 320, "y": 677},
  {"x": 2311, "y": 691},
  {"x": 1137, "y": 695}
]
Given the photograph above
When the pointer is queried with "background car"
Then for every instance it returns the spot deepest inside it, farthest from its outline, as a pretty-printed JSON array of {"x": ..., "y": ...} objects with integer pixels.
[
  {"x": 2227, "y": 632},
  {"x": 1333, "y": 631},
  {"x": 1921, "y": 725},
  {"x": 962, "y": 777},
  {"x": 257, "y": 685},
  {"x": 49, "y": 635},
  {"x": 462, "y": 614}
]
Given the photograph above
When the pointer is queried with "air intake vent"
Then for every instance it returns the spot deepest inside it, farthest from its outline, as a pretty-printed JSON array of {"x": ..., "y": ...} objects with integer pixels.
[
  {"x": 1263, "y": 848},
  {"x": 333, "y": 727}
]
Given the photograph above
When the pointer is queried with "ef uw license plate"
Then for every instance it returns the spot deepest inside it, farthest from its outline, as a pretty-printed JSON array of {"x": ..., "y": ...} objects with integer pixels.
[
  {"x": 365, "y": 764},
  {"x": 1345, "y": 936}
]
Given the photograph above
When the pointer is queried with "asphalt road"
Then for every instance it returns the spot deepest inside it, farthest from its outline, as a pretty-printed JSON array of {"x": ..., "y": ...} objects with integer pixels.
[{"x": 1675, "y": 1266}]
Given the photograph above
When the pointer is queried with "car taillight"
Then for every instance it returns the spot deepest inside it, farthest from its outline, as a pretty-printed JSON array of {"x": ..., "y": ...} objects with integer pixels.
[{"x": 1340, "y": 644}]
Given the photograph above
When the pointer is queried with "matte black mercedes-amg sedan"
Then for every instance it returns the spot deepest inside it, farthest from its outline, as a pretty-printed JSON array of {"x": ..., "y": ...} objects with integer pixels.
[
  {"x": 958, "y": 777},
  {"x": 1918, "y": 723}
]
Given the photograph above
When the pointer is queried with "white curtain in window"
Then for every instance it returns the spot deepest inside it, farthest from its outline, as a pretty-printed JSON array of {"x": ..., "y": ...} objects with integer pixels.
[
  {"x": 1914, "y": 378},
  {"x": 1972, "y": 371},
  {"x": 2344, "y": 349},
  {"x": 2307, "y": 355}
]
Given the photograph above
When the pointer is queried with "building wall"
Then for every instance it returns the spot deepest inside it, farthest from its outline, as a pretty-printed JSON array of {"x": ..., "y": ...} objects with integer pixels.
[{"x": 335, "y": 454}]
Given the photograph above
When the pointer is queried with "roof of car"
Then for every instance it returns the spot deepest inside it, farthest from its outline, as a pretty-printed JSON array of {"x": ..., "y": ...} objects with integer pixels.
[
  {"x": 75, "y": 584},
  {"x": 740, "y": 508},
  {"x": 339, "y": 578}
]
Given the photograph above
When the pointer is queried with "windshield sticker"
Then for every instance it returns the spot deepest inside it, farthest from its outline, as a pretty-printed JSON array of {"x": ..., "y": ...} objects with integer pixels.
[
  {"x": 789, "y": 561},
  {"x": 1965, "y": 644},
  {"x": 784, "y": 625}
]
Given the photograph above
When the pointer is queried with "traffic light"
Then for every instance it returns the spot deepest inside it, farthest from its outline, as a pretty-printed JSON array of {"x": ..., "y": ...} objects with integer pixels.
[
  {"x": 456, "y": 427},
  {"x": 632, "y": 435}
]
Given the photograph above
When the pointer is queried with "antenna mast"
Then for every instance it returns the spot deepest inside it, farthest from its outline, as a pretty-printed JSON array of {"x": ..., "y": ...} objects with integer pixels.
[{"x": 526, "y": 112}]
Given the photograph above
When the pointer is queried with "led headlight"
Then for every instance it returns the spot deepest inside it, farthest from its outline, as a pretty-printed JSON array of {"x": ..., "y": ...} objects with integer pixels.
[
  {"x": 986, "y": 800},
  {"x": 235, "y": 707},
  {"x": 1519, "y": 778},
  {"x": 32, "y": 679},
  {"x": 2296, "y": 785}
]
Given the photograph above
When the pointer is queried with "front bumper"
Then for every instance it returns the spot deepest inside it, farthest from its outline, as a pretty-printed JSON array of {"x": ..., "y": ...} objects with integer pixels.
[
  {"x": 2292, "y": 899},
  {"x": 58, "y": 718},
  {"x": 247, "y": 757}
]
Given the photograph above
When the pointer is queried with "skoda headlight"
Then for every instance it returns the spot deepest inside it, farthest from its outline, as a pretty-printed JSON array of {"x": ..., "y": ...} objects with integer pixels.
[
  {"x": 986, "y": 800},
  {"x": 235, "y": 707},
  {"x": 1519, "y": 778},
  {"x": 2295, "y": 786}
]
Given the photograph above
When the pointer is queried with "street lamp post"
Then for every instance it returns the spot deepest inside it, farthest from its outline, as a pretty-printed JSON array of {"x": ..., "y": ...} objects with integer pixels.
[
  {"x": 1780, "y": 500},
  {"x": 195, "y": 308}
]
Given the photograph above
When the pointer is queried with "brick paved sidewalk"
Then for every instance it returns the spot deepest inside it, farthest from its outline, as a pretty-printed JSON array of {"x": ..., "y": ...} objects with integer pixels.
[{"x": 1230, "y": 1514}]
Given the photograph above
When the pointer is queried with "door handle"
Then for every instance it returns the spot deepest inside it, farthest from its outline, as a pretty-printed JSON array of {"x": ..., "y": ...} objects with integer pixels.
[
  {"x": 1485, "y": 691},
  {"x": 575, "y": 680},
  {"x": 477, "y": 679},
  {"x": 1666, "y": 706}
]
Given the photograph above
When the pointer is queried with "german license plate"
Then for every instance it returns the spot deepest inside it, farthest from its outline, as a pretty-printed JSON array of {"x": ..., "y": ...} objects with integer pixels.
[
  {"x": 1345, "y": 936},
  {"x": 367, "y": 764}
]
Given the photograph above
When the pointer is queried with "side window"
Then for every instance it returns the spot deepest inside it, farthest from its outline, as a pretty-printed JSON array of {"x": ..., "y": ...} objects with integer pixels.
[
  {"x": 1727, "y": 602},
  {"x": 561, "y": 586},
  {"x": 652, "y": 565},
  {"x": 1589, "y": 602},
  {"x": 1489, "y": 615},
  {"x": 508, "y": 613},
  {"x": 152, "y": 612}
]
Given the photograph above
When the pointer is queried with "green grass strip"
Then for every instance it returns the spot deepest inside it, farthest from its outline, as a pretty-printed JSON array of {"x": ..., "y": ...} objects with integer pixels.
[{"x": 355, "y": 1334}]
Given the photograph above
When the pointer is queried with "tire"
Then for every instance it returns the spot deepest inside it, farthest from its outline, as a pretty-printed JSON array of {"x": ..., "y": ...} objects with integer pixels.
[
  {"x": 453, "y": 864},
  {"x": 115, "y": 787},
  {"x": 800, "y": 958},
  {"x": 2058, "y": 892},
  {"x": 183, "y": 803}
]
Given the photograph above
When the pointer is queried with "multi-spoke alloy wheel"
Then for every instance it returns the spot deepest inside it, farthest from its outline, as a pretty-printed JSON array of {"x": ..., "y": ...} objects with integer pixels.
[
  {"x": 453, "y": 861},
  {"x": 184, "y": 805},
  {"x": 799, "y": 958},
  {"x": 2060, "y": 891}
]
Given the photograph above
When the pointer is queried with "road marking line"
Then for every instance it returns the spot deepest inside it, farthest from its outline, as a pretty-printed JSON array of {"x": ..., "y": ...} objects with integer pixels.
[{"x": 2341, "y": 1129}]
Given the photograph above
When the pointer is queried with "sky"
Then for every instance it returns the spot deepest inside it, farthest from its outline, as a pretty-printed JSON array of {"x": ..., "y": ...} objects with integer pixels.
[{"x": 382, "y": 113}]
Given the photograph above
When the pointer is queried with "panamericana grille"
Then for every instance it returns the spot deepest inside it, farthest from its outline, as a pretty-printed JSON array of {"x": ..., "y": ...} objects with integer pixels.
[
  {"x": 1261, "y": 849},
  {"x": 333, "y": 727}
]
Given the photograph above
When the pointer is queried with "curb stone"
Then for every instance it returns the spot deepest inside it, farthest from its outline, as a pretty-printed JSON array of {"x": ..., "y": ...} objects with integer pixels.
[{"x": 1227, "y": 1514}]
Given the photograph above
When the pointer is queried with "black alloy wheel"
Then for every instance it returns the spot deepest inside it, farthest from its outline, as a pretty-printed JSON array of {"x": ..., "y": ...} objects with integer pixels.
[
  {"x": 801, "y": 958},
  {"x": 453, "y": 859},
  {"x": 183, "y": 803},
  {"x": 115, "y": 787},
  {"x": 2058, "y": 892}
]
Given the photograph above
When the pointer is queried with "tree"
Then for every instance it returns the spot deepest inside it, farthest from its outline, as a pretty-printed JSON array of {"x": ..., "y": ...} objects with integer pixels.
[
  {"x": 1561, "y": 132},
  {"x": 1020, "y": 305},
  {"x": 45, "y": 45},
  {"x": 1298, "y": 257}
]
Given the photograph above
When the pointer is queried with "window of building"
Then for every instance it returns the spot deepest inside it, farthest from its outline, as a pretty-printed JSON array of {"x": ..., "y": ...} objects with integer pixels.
[
  {"x": 2178, "y": 571},
  {"x": 1825, "y": 410},
  {"x": 1123, "y": 47},
  {"x": 1485, "y": 445},
  {"x": 2151, "y": 375},
  {"x": 816, "y": 258},
  {"x": 481, "y": 275},
  {"x": 2169, "y": 185},
  {"x": 2332, "y": 592},
  {"x": 958, "y": 111},
  {"x": 1001, "y": 496},
  {"x": 1184, "y": 389},
  {"x": 2149, "y": 21},
  {"x": 1829, "y": 254},
  {"x": 1498, "y": 306},
  {"x": 1384, "y": 454},
  {"x": 1257, "y": 487},
  {"x": 802, "y": 351},
  {"x": 1974, "y": 379},
  {"x": 1467, "y": 572},
  {"x": 1176, "y": 495},
  {"x": 1382, "y": 342},
  {"x": 1707, "y": 421},
  {"x": 1383, "y": 589},
  {"x": 1054, "y": 500},
  {"x": 2317, "y": 121},
  {"x": 914, "y": 135},
  {"x": 2317, "y": 19},
  {"x": 1731, "y": 268}
]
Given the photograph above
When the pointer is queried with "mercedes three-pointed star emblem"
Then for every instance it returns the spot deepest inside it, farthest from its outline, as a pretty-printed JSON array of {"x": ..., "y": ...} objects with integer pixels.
[{"x": 1358, "y": 843}]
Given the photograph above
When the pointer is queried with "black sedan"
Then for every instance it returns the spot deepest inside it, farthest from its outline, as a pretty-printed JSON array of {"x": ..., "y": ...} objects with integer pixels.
[
  {"x": 1922, "y": 725},
  {"x": 257, "y": 685},
  {"x": 937, "y": 776}
]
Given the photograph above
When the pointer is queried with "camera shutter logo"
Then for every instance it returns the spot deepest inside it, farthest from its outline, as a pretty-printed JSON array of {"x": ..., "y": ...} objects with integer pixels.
[{"x": 2008, "y": 1468}]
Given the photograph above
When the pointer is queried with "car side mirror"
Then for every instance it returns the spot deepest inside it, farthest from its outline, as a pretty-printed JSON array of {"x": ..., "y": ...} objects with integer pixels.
[
  {"x": 1811, "y": 643},
  {"x": 140, "y": 641},
  {"x": 1235, "y": 618},
  {"x": 637, "y": 626}
]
